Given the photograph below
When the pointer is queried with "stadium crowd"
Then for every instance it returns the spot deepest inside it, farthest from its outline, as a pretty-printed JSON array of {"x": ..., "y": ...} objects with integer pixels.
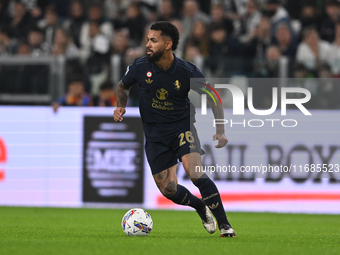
[{"x": 222, "y": 37}]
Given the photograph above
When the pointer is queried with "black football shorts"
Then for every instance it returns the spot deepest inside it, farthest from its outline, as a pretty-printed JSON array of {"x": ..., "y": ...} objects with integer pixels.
[{"x": 165, "y": 154}]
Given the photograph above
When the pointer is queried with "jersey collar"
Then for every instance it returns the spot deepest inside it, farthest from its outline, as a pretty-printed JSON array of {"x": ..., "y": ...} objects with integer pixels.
[{"x": 170, "y": 71}]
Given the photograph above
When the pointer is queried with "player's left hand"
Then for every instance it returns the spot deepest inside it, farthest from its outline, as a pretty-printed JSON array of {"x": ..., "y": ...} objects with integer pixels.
[{"x": 222, "y": 140}]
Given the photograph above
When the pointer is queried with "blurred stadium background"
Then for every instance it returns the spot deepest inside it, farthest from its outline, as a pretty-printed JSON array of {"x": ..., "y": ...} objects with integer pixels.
[{"x": 59, "y": 53}]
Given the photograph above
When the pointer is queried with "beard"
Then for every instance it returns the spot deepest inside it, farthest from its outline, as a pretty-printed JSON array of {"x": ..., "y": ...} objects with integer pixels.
[{"x": 155, "y": 56}]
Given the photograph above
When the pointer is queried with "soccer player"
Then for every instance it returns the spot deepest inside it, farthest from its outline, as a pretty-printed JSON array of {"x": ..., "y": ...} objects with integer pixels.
[{"x": 164, "y": 82}]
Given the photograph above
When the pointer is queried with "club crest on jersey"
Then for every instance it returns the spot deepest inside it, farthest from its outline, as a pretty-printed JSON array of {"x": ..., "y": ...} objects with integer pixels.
[
  {"x": 177, "y": 85},
  {"x": 149, "y": 74},
  {"x": 148, "y": 81}
]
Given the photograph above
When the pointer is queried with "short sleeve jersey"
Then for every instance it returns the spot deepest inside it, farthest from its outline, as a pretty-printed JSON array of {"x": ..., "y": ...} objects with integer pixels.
[{"x": 163, "y": 95}]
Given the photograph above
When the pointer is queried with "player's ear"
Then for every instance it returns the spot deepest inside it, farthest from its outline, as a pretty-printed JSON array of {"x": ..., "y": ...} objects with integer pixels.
[{"x": 168, "y": 45}]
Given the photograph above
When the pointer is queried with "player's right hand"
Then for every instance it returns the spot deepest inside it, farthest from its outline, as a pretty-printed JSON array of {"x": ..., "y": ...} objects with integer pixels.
[{"x": 118, "y": 113}]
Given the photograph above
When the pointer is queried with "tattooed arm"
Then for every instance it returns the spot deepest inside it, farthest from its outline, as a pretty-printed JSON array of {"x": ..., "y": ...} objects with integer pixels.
[
  {"x": 122, "y": 97},
  {"x": 219, "y": 114}
]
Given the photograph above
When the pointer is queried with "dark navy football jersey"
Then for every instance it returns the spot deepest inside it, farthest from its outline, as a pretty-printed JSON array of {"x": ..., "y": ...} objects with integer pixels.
[{"x": 163, "y": 95}]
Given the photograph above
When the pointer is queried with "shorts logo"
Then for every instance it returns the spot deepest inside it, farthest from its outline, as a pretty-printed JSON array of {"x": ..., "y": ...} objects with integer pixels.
[
  {"x": 177, "y": 85},
  {"x": 149, "y": 74},
  {"x": 191, "y": 146},
  {"x": 162, "y": 94}
]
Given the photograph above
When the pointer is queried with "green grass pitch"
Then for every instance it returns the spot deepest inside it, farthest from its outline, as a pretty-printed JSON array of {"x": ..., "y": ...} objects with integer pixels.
[{"x": 98, "y": 231}]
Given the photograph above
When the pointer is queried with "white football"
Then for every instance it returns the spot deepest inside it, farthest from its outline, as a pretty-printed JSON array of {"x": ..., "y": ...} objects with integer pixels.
[{"x": 137, "y": 222}]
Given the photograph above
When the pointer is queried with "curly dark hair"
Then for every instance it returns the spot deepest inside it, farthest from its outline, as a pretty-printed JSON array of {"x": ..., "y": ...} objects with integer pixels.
[{"x": 167, "y": 29}]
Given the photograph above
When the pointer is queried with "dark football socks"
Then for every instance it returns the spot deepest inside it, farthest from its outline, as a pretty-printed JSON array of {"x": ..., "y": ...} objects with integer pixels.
[
  {"x": 211, "y": 198},
  {"x": 184, "y": 197}
]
